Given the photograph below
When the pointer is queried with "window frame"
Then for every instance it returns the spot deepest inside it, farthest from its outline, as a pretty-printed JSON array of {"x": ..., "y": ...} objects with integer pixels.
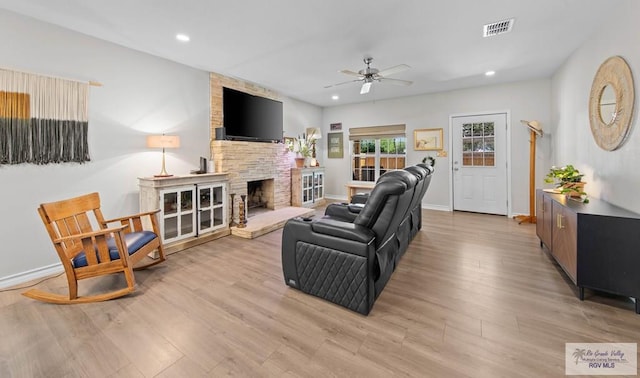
[{"x": 377, "y": 156}]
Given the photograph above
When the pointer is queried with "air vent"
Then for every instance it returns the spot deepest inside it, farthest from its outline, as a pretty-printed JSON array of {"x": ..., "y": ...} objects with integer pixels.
[{"x": 499, "y": 27}]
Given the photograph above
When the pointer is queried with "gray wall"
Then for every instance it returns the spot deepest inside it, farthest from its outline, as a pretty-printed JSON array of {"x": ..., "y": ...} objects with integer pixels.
[
  {"x": 141, "y": 94},
  {"x": 525, "y": 100},
  {"x": 609, "y": 175}
]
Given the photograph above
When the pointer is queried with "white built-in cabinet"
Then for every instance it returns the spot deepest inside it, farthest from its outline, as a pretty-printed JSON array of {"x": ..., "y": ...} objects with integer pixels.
[{"x": 191, "y": 206}]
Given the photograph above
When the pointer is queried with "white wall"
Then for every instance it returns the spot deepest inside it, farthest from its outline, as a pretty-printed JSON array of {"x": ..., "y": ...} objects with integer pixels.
[
  {"x": 525, "y": 100},
  {"x": 612, "y": 176},
  {"x": 141, "y": 94}
]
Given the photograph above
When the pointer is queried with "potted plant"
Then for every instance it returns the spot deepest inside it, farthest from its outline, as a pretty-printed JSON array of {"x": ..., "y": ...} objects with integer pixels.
[
  {"x": 568, "y": 181},
  {"x": 302, "y": 147}
]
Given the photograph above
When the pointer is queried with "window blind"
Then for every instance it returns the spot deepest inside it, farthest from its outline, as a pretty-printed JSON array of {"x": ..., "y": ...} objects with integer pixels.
[{"x": 377, "y": 132}]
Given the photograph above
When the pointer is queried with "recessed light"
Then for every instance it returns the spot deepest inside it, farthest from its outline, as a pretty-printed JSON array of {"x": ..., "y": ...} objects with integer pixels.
[
  {"x": 335, "y": 97},
  {"x": 490, "y": 73},
  {"x": 182, "y": 37}
]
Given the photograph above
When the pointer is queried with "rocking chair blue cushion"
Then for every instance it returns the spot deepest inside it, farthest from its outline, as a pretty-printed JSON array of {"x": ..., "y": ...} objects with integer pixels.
[{"x": 133, "y": 240}]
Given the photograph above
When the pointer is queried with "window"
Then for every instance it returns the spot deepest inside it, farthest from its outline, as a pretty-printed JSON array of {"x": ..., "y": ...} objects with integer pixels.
[
  {"x": 478, "y": 144},
  {"x": 377, "y": 149},
  {"x": 370, "y": 158}
]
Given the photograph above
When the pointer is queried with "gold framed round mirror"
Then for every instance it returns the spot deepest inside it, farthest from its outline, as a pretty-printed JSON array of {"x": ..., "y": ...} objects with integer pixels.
[{"x": 611, "y": 103}]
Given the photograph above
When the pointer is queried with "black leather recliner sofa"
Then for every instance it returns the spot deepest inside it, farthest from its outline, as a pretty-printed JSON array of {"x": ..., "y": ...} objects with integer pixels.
[{"x": 349, "y": 259}]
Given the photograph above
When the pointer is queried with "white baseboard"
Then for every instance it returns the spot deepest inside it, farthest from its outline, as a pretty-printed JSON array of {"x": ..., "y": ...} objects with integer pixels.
[
  {"x": 436, "y": 207},
  {"x": 33, "y": 274}
]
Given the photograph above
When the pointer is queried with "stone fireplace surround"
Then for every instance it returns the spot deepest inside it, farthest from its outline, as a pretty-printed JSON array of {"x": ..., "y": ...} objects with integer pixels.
[
  {"x": 248, "y": 161},
  {"x": 253, "y": 161}
]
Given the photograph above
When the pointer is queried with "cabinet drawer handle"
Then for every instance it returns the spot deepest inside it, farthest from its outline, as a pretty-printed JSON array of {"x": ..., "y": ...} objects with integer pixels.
[{"x": 559, "y": 221}]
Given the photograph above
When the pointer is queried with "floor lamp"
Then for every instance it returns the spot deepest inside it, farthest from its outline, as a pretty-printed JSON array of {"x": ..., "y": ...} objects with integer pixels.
[{"x": 535, "y": 130}]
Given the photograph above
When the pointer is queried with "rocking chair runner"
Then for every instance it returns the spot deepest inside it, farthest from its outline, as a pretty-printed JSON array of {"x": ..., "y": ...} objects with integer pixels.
[{"x": 86, "y": 253}]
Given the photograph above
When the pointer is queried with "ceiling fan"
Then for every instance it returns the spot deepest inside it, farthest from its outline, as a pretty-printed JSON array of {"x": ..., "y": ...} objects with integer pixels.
[{"x": 368, "y": 75}]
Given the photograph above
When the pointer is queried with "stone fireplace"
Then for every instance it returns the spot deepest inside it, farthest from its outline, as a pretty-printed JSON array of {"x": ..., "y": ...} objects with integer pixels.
[
  {"x": 254, "y": 161},
  {"x": 249, "y": 161}
]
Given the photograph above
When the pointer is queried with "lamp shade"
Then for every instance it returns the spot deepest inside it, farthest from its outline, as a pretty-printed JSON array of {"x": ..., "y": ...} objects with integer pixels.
[
  {"x": 314, "y": 133},
  {"x": 163, "y": 141}
]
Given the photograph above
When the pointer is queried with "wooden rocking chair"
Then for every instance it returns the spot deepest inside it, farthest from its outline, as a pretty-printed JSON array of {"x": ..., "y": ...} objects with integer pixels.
[{"x": 87, "y": 253}]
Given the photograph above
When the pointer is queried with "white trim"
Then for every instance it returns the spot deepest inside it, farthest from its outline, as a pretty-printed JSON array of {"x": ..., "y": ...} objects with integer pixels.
[
  {"x": 436, "y": 207},
  {"x": 33, "y": 274},
  {"x": 507, "y": 114}
]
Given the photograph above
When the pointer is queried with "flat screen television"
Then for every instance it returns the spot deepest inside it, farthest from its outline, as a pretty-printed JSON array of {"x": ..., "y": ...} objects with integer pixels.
[{"x": 251, "y": 118}]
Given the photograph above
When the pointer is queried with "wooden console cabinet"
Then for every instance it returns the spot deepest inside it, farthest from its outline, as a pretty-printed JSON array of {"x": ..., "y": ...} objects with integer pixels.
[
  {"x": 193, "y": 208},
  {"x": 307, "y": 187},
  {"x": 597, "y": 244}
]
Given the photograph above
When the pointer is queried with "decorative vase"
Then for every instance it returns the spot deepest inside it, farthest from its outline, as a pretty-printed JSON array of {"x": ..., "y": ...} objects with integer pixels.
[{"x": 300, "y": 162}]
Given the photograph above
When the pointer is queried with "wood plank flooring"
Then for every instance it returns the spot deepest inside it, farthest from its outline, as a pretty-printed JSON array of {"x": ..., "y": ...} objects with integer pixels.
[{"x": 474, "y": 296}]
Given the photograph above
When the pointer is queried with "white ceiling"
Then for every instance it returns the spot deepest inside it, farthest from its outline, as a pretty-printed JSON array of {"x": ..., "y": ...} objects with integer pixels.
[{"x": 297, "y": 47}]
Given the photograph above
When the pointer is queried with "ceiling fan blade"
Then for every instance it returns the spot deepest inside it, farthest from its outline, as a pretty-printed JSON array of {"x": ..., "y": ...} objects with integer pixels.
[
  {"x": 366, "y": 87},
  {"x": 344, "y": 82},
  {"x": 393, "y": 70},
  {"x": 350, "y": 73},
  {"x": 395, "y": 81}
]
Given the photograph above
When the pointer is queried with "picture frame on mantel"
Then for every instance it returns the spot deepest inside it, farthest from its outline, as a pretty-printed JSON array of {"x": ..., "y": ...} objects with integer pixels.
[
  {"x": 335, "y": 145},
  {"x": 427, "y": 139}
]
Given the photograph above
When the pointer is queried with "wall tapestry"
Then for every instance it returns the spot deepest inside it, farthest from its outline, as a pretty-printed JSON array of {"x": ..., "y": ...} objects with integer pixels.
[{"x": 43, "y": 119}]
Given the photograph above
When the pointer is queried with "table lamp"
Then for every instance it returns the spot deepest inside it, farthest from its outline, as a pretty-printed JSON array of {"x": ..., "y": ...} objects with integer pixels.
[{"x": 163, "y": 141}]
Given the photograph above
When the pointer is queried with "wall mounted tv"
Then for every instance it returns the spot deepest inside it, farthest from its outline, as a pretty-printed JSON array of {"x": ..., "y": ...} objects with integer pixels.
[{"x": 251, "y": 118}]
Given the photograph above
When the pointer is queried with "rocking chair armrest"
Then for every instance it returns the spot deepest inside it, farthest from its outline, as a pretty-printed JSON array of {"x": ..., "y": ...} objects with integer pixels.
[
  {"x": 85, "y": 235},
  {"x": 132, "y": 216}
]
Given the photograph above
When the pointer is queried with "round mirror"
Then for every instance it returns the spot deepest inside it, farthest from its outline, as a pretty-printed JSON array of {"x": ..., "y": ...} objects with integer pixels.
[
  {"x": 608, "y": 106},
  {"x": 611, "y": 103}
]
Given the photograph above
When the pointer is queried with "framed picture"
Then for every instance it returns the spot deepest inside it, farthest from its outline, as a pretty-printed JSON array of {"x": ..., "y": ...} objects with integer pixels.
[
  {"x": 335, "y": 126},
  {"x": 335, "y": 145},
  {"x": 427, "y": 140},
  {"x": 289, "y": 142}
]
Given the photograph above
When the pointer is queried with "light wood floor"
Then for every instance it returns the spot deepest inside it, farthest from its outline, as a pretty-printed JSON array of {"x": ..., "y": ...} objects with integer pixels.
[{"x": 473, "y": 296}]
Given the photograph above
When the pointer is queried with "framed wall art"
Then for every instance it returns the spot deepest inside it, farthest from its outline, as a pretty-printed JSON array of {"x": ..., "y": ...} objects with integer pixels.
[
  {"x": 335, "y": 145},
  {"x": 427, "y": 139}
]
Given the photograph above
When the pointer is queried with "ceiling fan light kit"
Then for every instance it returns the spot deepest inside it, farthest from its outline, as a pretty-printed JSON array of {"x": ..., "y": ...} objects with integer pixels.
[{"x": 370, "y": 74}]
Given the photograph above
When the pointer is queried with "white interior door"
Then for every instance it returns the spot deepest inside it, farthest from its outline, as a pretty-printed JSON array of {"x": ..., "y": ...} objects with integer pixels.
[{"x": 479, "y": 163}]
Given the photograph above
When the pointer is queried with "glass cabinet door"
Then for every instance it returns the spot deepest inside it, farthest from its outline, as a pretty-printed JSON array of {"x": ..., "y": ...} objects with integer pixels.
[
  {"x": 318, "y": 185},
  {"x": 211, "y": 209},
  {"x": 178, "y": 211},
  {"x": 307, "y": 188}
]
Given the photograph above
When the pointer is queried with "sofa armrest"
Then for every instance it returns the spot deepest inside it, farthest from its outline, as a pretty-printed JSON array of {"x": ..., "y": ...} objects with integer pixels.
[
  {"x": 343, "y": 211},
  {"x": 343, "y": 230}
]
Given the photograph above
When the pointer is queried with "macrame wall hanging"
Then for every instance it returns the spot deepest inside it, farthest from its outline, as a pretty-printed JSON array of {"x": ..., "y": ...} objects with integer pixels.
[{"x": 43, "y": 120}]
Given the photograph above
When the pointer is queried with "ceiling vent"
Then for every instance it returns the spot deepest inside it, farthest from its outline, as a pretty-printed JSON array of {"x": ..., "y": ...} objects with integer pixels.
[{"x": 499, "y": 27}]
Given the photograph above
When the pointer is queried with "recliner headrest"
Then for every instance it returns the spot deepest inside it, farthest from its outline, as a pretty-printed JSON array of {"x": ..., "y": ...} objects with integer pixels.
[
  {"x": 418, "y": 171},
  {"x": 429, "y": 168},
  {"x": 409, "y": 179}
]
